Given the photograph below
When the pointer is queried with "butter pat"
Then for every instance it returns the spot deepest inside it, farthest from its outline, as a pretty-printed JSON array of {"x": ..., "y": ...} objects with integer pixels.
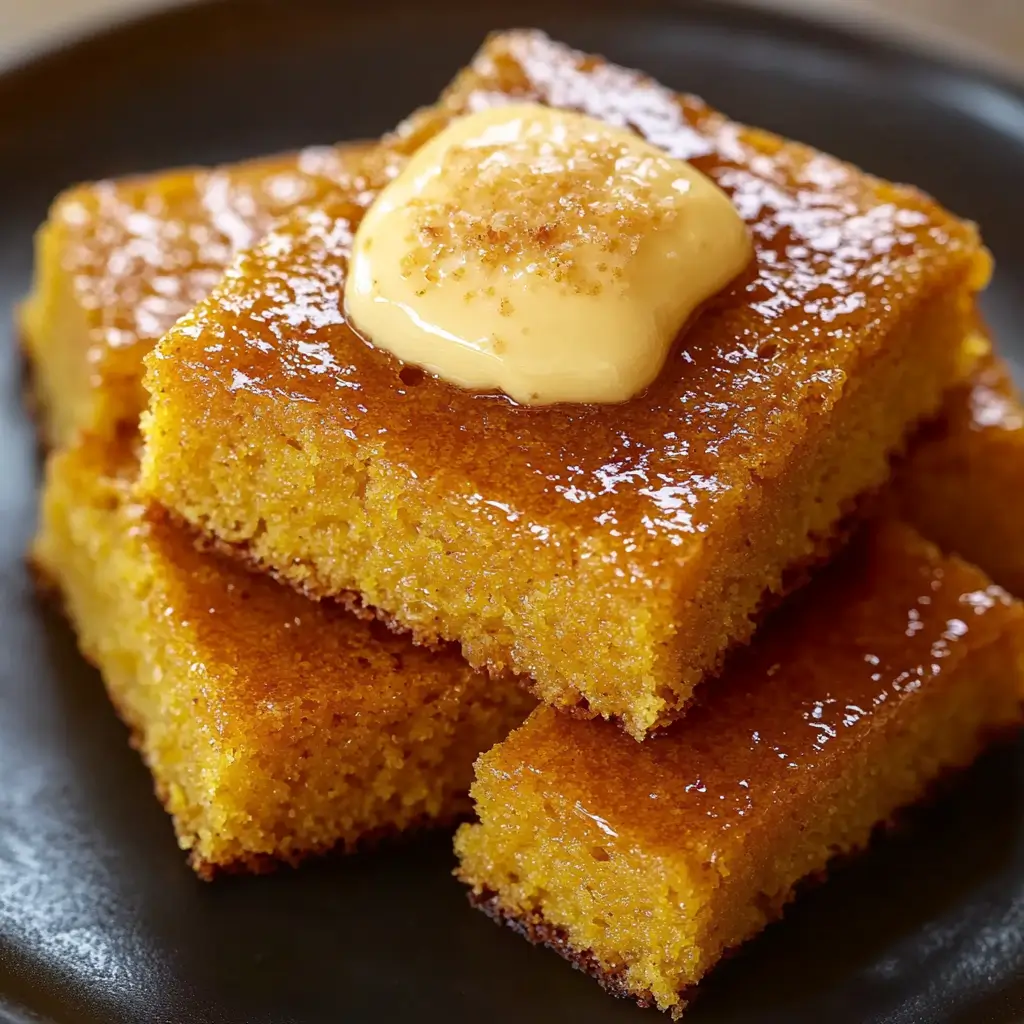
[{"x": 541, "y": 253}]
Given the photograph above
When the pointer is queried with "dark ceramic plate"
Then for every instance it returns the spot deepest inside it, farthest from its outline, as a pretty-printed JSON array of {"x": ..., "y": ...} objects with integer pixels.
[{"x": 100, "y": 920}]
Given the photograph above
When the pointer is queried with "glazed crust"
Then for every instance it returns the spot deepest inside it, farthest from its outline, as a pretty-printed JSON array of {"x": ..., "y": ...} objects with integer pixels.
[{"x": 532, "y": 926}]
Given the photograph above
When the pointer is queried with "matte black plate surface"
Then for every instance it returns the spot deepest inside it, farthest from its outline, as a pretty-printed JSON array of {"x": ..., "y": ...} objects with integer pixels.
[{"x": 100, "y": 920}]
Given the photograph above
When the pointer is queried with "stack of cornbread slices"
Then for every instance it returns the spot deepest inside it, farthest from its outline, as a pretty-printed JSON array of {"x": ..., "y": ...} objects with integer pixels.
[{"x": 319, "y": 581}]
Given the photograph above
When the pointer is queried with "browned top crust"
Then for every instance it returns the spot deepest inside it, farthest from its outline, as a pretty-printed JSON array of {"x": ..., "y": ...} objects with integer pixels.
[{"x": 841, "y": 258}]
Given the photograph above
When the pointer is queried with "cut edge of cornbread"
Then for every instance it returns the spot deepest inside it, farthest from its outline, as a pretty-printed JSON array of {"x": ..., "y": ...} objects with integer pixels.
[
  {"x": 244, "y": 699},
  {"x": 58, "y": 388},
  {"x": 569, "y": 870},
  {"x": 614, "y": 979}
]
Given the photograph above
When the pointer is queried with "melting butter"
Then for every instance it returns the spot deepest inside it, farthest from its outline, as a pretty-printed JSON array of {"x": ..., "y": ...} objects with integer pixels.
[{"x": 541, "y": 253}]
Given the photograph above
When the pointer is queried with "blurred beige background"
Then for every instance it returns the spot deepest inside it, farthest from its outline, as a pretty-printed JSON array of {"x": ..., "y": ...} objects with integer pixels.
[{"x": 989, "y": 31}]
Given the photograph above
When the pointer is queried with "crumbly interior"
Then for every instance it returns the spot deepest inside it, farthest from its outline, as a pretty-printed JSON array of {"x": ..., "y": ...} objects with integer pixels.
[
  {"x": 584, "y": 633},
  {"x": 631, "y": 861},
  {"x": 274, "y": 728},
  {"x": 962, "y": 482}
]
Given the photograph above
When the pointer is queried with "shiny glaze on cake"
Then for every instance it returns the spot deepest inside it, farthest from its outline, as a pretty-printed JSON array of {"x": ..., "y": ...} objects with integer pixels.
[
  {"x": 272, "y": 653},
  {"x": 836, "y": 254},
  {"x": 139, "y": 252},
  {"x": 890, "y": 618}
]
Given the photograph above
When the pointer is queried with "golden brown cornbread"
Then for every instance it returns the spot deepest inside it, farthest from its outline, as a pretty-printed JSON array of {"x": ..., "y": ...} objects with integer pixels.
[
  {"x": 274, "y": 727},
  {"x": 609, "y": 553},
  {"x": 117, "y": 262},
  {"x": 645, "y": 863},
  {"x": 963, "y": 483},
  {"x": 968, "y": 432}
]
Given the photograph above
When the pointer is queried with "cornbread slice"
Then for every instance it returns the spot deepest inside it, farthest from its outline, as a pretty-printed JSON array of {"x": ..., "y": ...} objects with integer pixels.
[
  {"x": 963, "y": 483},
  {"x": 274, "y": 727},
  {"x": 645, "y": 863},
  {"x": 610, "y": 553},
  {"x": 117, "y": 262}
]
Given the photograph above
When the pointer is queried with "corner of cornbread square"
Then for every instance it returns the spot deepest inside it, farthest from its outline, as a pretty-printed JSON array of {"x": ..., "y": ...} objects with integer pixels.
[
  {"x": 275, "y": 727},
  {"x": 962, "y": 484},
  {"x": 645, "y": 863},
  {"x": 611, "y": 553},
  {"x": 117, "y": 262}
]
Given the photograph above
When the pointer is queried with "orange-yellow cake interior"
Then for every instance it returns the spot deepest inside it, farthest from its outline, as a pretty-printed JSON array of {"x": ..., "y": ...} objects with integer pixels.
[
  {"x": 644, "y": 863},
  {"x": 88, "y": 509},
  {"x": 608, "y": 553},
  {"x": 275, "y": 727}
]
